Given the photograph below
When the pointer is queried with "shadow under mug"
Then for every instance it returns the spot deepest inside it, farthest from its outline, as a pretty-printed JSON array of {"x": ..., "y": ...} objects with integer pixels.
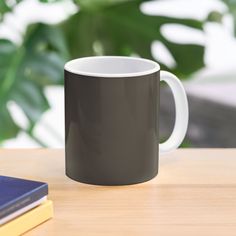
[{"x": 112, "y": 119}]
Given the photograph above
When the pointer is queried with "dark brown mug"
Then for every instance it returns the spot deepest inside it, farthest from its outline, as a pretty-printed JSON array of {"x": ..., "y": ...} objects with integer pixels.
[{"x": 112, "y": 119}]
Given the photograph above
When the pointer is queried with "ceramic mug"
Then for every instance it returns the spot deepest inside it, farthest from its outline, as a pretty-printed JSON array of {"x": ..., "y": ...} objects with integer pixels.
[{"x": 112, "y": 119}]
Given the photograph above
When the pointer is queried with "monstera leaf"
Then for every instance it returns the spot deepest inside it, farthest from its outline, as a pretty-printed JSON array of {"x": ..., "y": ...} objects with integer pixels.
[
  {"x": 25, "y": 71},
  {"x": 120, "y": 28},
  {"x": 101, "y": 27}
]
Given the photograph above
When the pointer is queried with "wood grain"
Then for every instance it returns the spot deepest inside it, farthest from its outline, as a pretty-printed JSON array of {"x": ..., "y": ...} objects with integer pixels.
[{"x": 194, "y": 194}]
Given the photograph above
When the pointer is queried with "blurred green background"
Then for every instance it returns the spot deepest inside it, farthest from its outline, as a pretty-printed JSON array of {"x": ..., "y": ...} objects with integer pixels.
[{"x": 35, "y": 61}]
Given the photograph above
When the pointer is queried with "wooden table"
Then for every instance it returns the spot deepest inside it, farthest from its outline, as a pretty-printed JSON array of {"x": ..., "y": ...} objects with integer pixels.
[{"x": 194, "y": 194}]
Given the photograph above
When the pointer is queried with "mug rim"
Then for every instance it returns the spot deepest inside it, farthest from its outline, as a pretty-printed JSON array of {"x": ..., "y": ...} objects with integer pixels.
[{"x": 69, "y": 67}]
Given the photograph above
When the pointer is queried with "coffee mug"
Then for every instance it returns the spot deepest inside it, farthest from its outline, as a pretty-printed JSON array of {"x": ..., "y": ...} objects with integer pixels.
[{"x": 112, "y": 119}]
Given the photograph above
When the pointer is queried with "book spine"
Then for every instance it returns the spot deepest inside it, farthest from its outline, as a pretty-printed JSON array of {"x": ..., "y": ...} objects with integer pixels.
[{"x": 25, "y": 200}]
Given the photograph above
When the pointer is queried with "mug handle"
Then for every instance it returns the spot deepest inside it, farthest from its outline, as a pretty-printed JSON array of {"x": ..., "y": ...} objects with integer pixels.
[{"x": 181, "y": 110}]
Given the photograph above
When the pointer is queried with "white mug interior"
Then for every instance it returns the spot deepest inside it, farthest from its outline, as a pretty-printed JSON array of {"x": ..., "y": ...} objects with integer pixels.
[{"x": 112, "y": 66}]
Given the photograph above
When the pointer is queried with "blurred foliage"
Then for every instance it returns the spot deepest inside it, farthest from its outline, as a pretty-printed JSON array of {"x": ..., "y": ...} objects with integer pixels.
[
  {"x": 122, "y": 29},
  {"x": 232, "y": 10},
  {"x": 7, "y": 6},
  {"x": 25, "y": 71},
  {"x": 215, "y": 16},
  {"x": 101, "y": 27}
]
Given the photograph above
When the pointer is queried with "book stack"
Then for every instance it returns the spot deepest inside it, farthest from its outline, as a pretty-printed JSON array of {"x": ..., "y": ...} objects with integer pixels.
[{"x": 23, "y": 205}]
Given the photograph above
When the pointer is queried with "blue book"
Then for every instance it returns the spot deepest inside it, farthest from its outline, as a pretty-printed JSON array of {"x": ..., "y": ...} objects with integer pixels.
[{"x": 16, "y": 194}]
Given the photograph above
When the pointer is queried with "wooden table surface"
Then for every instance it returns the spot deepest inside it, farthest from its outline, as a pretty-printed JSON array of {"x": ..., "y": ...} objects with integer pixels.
[{"x": 194, "y": 194}]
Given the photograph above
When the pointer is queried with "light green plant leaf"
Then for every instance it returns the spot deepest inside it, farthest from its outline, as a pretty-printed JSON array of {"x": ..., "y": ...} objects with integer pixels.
[
  {"x": 91, "y": 5},
  {"x": 25, "y": 71},
  {"x": 122, "y": 29},
  {"x": 101, "y": 27},
  {"x": 7, "y": 6}
]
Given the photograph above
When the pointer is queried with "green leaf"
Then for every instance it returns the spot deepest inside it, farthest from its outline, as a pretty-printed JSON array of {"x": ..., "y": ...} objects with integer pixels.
[
  {"x": 91, "y": 5},
  {"x": 31, "y": 99},
  {"x": 4, "y": 7},
  {"x": 122, "y": 29},
  {"x": 50, "y": 1},
  {"x": 189, "y": 58},
  {"x": 101, "y": 27},
  {"x": 7, "y": 6},
  {"x": 8, "y": 128},
  {"x": 26, "y": 70},
  {"x": 215, "y": 16},
  {"x": 232, "y": 10}
]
